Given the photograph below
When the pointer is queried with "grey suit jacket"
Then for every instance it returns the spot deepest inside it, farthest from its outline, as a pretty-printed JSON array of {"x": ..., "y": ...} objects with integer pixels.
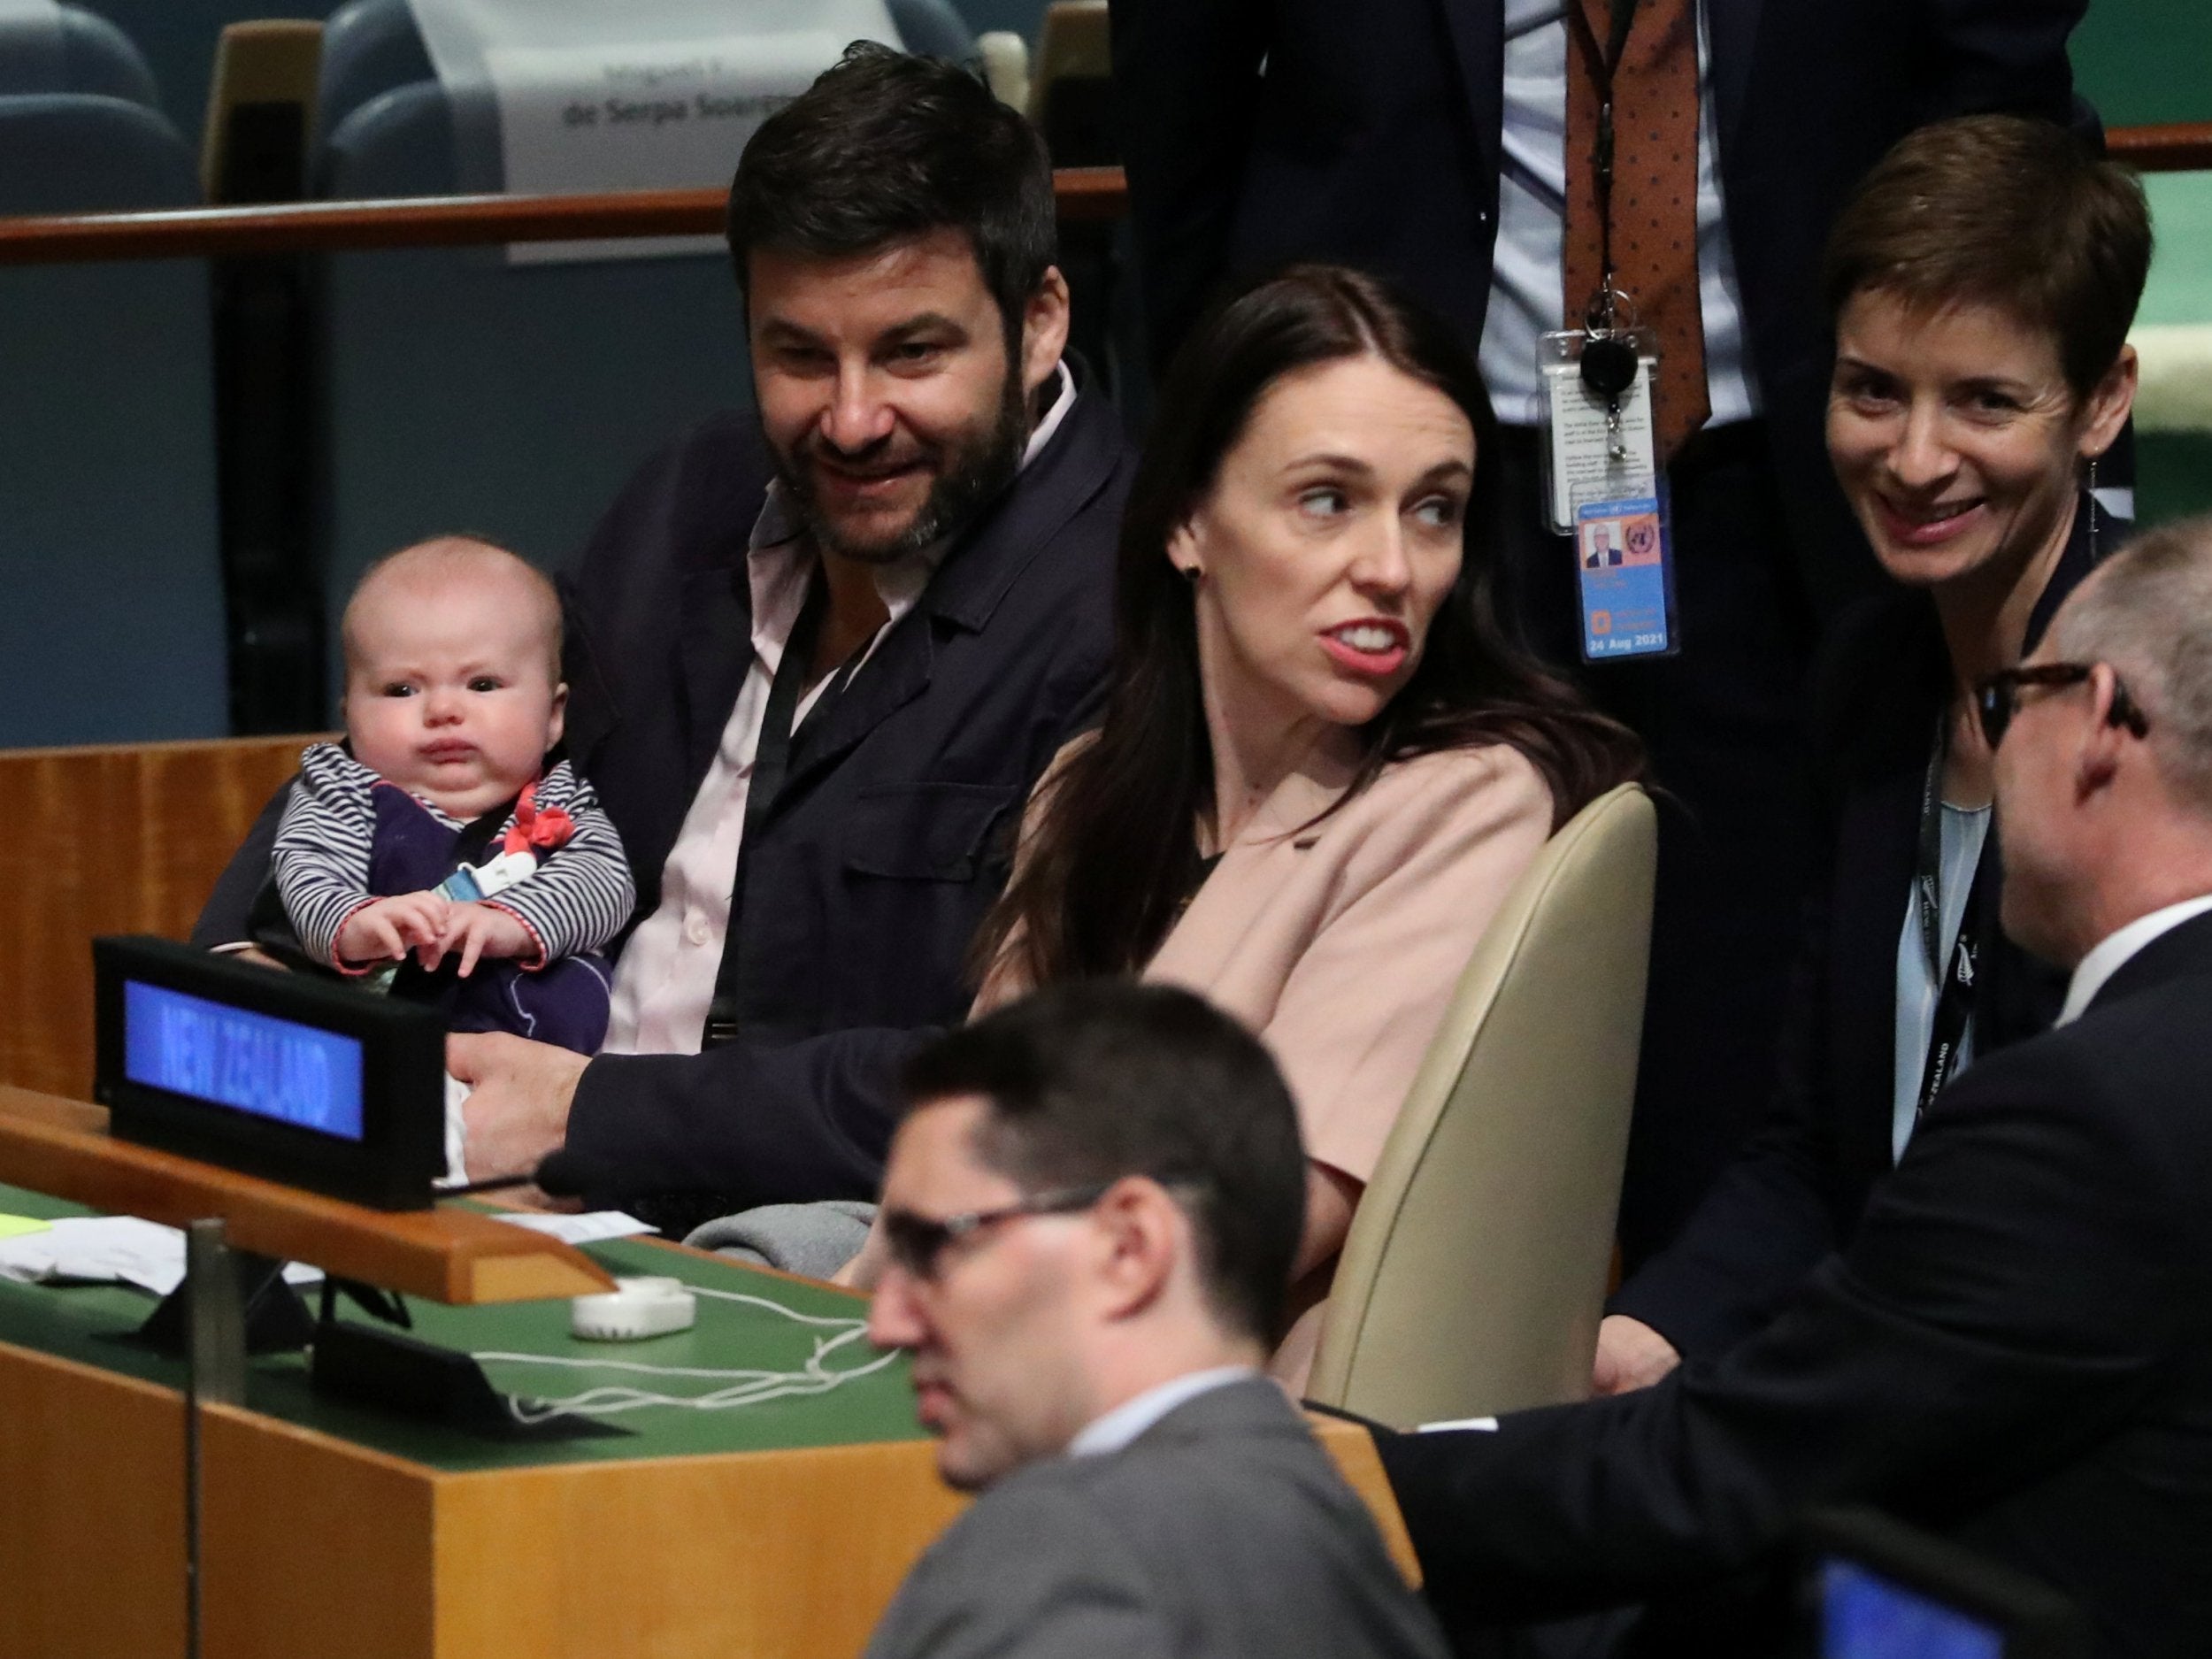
[{"x": 1224, "y": 1529}]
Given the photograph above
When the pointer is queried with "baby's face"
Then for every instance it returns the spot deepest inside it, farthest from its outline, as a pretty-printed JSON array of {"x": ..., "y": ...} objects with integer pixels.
[{"x": 449, "y": 691}]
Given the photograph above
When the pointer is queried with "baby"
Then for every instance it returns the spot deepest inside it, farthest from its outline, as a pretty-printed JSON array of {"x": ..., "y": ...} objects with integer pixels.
[{"x": 440, "y": 834}]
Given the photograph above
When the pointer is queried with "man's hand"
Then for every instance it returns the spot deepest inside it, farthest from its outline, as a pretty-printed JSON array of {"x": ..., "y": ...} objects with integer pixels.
[
  {"x": 864, "y": 1272},
  {"x": 518, "y": 1099},
  {"x": 388, "y": 929},
  {"x": 1630, "y": 1355},
  {"x": 480, "y": 930}
]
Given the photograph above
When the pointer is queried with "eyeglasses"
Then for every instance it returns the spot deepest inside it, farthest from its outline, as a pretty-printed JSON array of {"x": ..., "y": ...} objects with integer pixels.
[
  {"x": 1997, "y": 698},
  {"x": 917, "y": 1243}
]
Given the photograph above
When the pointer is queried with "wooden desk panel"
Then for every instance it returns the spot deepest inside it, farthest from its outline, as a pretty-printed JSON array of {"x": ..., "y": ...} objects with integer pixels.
[
  {"x": 91, "y": 1512},
  {"x": 316, "y": 1545},
  {"x": 784, "y": 1554}
]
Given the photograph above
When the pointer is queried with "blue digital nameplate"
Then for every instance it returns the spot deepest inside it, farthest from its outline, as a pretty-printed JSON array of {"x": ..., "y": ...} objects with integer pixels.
[
  {"x": 300, "y": 1079},
  {"x": 1865, "y": 1616},
  {"x": 1879, "y": 1589},
  {"x": 232, "y": 1056}
]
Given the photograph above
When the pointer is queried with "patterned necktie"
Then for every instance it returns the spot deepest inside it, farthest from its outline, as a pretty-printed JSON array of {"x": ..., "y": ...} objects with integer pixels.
[{"x": 1655, "y": 194}]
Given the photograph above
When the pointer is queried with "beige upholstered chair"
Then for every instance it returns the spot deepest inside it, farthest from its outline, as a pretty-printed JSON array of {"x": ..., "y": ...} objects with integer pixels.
[{"x": 1473, "y": 1276}]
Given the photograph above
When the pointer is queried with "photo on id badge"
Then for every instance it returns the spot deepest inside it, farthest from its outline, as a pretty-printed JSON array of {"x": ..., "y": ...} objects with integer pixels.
[
  {"x": 1604, "y": 489},
  {"x": 1620, "y": 547}
]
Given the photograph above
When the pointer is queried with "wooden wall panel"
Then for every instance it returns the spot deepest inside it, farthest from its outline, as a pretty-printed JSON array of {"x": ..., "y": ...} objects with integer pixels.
[
  {"x": 767, "y": 1555},
  {"x": 122, "y": 840}
]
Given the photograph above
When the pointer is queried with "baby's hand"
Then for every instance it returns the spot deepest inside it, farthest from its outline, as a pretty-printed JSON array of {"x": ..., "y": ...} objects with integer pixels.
[
  {"x": 480, "y": 930},
  {"x": 387, "y": 929}
]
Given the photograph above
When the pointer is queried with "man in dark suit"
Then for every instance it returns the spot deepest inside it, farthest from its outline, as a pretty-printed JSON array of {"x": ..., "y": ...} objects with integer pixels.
[
  {"x": 817, "y": 661},
  {"x": 2015, "y": 1349},
  {"x": 1448, "y": 145},
  {"x": 1090, "y": 1217}
]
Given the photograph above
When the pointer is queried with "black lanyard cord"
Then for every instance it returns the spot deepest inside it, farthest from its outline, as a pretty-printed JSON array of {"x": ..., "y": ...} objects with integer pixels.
[
  {"x": 1954, "y": 996},
  {"x": 1603, "y": 65}
]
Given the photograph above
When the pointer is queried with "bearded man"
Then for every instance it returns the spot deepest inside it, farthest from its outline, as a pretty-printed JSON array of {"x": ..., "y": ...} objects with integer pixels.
[{"x": 817, "y": 656}]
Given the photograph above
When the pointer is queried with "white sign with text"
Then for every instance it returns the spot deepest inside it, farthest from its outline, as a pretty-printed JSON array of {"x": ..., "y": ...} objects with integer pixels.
[{"x": 650, "y": 94}]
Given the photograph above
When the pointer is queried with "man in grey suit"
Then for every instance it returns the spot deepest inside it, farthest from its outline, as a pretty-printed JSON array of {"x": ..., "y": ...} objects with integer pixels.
[{"x": 1090, "y": 1215}]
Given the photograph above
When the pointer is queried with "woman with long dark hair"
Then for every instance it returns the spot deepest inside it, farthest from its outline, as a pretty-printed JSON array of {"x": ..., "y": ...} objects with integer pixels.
[{"x": 1322, "y": 765}]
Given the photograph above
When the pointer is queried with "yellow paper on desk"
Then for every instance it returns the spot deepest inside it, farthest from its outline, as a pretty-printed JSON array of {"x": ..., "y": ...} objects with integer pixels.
[{"x": 12, "y": 1226}]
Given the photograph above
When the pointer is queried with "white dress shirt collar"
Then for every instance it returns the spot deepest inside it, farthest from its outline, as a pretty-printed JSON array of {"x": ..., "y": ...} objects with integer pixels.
[
  {"x": 1133, "y": 1418},
  {"x": 2113, "y": 952},
  {"x": 1063, "y": 401}
]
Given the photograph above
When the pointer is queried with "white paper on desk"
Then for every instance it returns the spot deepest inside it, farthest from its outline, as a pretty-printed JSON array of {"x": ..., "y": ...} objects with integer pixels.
[
  {"x": 599, "y": 1224},
  {"x": 110, "y": 1251}
]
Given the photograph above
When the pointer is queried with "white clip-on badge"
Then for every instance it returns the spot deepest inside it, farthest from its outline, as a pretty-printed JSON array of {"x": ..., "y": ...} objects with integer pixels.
[
  {"x": 472, "y": 882},
  {"x": 1604, "y": 486}
]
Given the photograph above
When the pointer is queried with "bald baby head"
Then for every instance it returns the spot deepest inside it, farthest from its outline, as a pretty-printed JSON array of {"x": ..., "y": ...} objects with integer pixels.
[
  {"x": 453, "y": 672},
  {"x": 431, "y": 571}
]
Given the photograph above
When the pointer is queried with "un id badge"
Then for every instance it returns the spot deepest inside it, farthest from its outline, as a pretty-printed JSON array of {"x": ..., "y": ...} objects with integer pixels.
[{"x": 1603, "y": 487}]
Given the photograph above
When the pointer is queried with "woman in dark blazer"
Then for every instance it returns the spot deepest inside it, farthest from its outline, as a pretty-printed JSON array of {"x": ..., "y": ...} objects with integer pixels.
[{"x": 1982, "y": 283}]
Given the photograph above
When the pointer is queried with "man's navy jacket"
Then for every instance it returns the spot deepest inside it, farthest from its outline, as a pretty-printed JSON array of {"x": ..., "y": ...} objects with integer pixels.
[{"x": 888, "y": 841}]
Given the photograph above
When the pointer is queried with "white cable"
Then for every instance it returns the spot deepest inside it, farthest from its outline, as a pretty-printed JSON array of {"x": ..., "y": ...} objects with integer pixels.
[
  {"x": 776, "y": 1307},
  {"x": 746, "y": 1387},
  {"x": 614, "y": 1399}
]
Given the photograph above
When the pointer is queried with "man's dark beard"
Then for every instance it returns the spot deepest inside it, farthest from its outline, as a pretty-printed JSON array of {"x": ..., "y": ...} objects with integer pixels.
[{"x": 973, "y": 475}]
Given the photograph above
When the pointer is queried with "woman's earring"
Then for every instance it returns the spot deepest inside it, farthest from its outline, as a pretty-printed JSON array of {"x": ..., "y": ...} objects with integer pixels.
[
  {"x": 1191, "y": 574},
  {"x": 2092, "y": 510}
]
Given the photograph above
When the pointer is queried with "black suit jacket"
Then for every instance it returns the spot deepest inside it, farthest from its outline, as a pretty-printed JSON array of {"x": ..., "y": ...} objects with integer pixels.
[
  {"x": 892, "y": 834},
  {"x": 1796, "y": 1190},
  {"x": 890, "y": 841},
  {"x": 2015, "y": 1352},
  {"x": 1372, "y": 137}
]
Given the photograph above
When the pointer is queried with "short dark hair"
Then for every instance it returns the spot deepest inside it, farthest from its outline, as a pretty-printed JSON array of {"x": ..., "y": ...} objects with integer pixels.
[
  {"x": 1092, "y": 1081},
  {"x": 1997, "y": 210},
  {"x": 884, "y": 148}
]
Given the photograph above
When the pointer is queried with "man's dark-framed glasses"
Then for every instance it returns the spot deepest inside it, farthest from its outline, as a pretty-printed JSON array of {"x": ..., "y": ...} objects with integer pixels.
[
  {"x": 917, "y": 1243},
  {"x": 1997, "y": 698}
]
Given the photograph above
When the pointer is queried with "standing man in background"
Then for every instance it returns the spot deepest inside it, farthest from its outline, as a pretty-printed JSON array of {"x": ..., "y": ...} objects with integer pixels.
[{"x": 1450, "y": 144}]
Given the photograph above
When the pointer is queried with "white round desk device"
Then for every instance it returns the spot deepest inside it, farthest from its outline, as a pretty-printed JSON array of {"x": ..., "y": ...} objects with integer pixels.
[{"x": 634, "y": 1309}]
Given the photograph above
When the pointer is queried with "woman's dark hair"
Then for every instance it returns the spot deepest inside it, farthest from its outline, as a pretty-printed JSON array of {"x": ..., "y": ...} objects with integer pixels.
[
  {"x": 1113, "y": 852},
  {"x": 1997, "y": 210},
  {"x": 884, "y": 148},
  {"x": 1089, "y": 1083}
]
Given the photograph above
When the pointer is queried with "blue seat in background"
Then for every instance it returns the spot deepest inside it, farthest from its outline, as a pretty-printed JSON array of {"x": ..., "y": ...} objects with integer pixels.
[
  {"x": 177, "y": 40},
  {"x": 87, "y": 54},
  {"x": 460, "y": 393},
  {"x": 111, "y": 624}
]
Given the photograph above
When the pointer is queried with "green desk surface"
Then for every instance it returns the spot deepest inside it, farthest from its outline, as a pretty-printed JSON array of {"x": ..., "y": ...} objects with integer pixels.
[{"x": 89, "y": 1323}]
